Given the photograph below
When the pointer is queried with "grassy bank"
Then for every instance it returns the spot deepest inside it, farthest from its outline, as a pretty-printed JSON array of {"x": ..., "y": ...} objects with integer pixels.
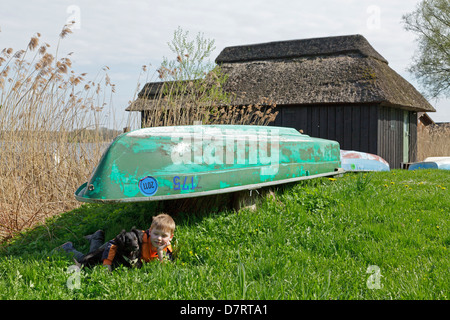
[{"x": 372, "y": 236}]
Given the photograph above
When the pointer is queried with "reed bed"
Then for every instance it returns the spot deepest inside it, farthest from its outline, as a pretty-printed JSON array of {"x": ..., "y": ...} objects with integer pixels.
[
  {"x": 433, "y": 141},
  {"x": 50, "y": 136}
]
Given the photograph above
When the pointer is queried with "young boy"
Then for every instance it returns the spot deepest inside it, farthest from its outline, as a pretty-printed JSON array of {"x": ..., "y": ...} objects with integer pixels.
[
  {"x": 155, "y": 242},
  {"x": 158, "y": 237}
]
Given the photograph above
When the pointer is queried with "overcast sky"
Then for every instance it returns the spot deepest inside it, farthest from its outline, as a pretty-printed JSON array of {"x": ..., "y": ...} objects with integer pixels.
[{"x": 124, "y": 35}]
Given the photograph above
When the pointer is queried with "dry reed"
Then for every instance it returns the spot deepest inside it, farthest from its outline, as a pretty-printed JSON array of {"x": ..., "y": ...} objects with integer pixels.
[
  {"x": 50, "y": 135},
  {"x": 433, "y": 141}
]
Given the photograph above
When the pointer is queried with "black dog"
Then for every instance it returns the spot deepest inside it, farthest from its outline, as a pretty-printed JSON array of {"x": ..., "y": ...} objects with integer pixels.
[
  {"x": 128, "y": 251},
  {"x": 128, "y": 248}
]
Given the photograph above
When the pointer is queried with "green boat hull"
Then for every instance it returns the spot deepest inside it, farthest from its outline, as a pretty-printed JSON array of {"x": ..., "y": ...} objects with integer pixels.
[{"x": 190, "y": 161}]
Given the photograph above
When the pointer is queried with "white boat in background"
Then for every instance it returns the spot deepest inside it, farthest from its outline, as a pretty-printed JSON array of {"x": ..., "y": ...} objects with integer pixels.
[
  {"x": 442, "y": 163},
  {"x": 361, "y": 161}
]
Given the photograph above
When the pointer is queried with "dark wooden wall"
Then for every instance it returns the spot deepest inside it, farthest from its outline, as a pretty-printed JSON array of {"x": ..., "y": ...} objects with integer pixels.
[
  {"x": 413, "y": 120},
  {"x": 355, "y": 128},
  {"x": 390, "y": 138},
  {"x": 368, "y": 128}
]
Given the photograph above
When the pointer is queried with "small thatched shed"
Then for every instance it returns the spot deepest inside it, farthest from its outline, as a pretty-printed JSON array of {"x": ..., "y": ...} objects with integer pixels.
[{"x": 337, "y": 88}]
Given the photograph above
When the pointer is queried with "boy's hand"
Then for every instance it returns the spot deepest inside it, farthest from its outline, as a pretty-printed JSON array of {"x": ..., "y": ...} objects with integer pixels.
[
  {"x": 160, "y": 250},
  {"x": 163, "y": 246}
]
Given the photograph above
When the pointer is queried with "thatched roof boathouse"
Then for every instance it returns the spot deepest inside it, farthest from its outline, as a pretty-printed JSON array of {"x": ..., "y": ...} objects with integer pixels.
[{"x": 338, "y": 88}]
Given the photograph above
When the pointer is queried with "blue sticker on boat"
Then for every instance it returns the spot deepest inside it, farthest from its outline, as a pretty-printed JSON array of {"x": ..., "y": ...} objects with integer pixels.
[{"x": 148, "y": 186}]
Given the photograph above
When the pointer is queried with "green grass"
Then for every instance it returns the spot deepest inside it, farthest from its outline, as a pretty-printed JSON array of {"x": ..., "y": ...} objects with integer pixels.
[{"x": 317, "y": 240}]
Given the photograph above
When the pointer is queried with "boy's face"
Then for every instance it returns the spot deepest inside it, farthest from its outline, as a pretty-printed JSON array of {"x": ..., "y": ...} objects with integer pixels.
[{"x": 160, "y": 238}]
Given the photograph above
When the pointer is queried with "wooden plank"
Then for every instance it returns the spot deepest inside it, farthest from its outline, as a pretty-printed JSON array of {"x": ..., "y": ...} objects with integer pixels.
[
  {"x": 374, "y": 131},
  {"x": 397, "y": 145},
  {"x": 381, "y": 133},
  {"x": 392, "y": 144},
  {"x": 309, "y": 117},
  {"x": 331, "y": 126},
  {"x": 289, "y": 119},
  {"x": 365, "y": 127},
  {"x": 399, "y": 137},
  {"x": 413, "y": 137},
  {"x": 347, "y": 145},
  {"x": 315, "y": 122},
  {"x": 356, "y": 128},
  {"x": 340, "y": 125},
  {"x": 384, "y": 127},
  {"x": 302, "y": 118},
  {"x": 323, "y": 122}
]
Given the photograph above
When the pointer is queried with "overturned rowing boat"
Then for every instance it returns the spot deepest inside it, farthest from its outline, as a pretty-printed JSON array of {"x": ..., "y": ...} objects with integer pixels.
[
  {"x": 189, "y": 161},
  {"x": 442, "y": 163},
  {"x": 362, "y": 161}
]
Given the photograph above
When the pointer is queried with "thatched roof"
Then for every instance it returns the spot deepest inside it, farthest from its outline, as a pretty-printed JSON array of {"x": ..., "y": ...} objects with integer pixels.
[
  {"x": 344, "y": 69},
  {"x": 148, "y": 97},
  {"x": 187, "y": 93},
  {"x": 299, "y": 48},
  {"x": 332, "y": 70}
]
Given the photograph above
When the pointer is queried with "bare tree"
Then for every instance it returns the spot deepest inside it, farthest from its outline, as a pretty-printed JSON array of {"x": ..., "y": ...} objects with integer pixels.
[{"x": 431, "y": 66}]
